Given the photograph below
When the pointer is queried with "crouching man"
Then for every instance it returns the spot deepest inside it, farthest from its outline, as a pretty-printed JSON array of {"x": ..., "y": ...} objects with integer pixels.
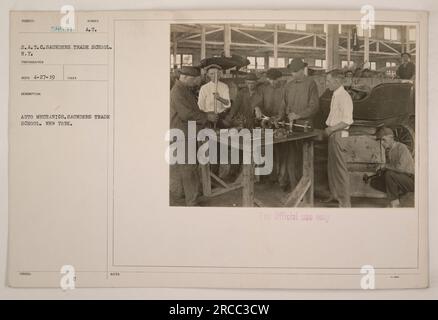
[{"x": 398, "y": 176}]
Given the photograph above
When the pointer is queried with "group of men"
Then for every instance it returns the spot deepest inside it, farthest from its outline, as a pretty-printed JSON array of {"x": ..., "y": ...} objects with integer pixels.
[{"x": 296, "y": 99}]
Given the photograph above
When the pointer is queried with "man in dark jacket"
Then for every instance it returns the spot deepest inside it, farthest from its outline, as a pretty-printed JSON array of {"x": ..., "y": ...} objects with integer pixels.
[
  {"x": 273, "y": 106},
  {"x": 301, "y": 102},
  {"x": 184, "y": 108},
  {"x": 406, "y": 70},
  {"x": 245, "y": 104}
]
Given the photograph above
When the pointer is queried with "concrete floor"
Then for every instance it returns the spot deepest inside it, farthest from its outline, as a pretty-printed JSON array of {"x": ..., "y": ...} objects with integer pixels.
[{"x": 272, "y": 196}]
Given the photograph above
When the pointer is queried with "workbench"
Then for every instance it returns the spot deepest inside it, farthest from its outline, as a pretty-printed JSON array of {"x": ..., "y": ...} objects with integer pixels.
[{"x": 301, "y": 195}]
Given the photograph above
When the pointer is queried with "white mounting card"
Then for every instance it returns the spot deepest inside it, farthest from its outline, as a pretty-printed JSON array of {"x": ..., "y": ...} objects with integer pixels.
[{"x": 89, "y": 196}]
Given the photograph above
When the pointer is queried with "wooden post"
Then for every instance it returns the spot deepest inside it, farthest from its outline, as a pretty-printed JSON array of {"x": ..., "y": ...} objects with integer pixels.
[
  {"x": 366, "y": 34},
  {"x": 248, "y": 185},
  {"x": 276, "y": 46},
  {"x": 266, "y": 65},
  {"x": 349, "y": 47},
  {"x": 227, "y": 40},
  {"x": 206, "y": 179},
  {"x": 203, "y": 48},
  {"x": 331, "y": 48},
  {"x": 308, "y": 171},
  {"x": 174, "y": 48},
  {"x": 227, "y": 43},
  {"x": 405, "y": 39}
]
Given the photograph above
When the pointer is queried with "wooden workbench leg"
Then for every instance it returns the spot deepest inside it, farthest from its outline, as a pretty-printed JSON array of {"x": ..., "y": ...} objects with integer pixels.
[
  {"x": 308, "y": 171},
  {"x": 248, "y": 185},
  {"x": 206, "y": 179}
]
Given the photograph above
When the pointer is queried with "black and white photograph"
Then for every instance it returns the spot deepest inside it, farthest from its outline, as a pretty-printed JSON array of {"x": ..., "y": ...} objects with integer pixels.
[{"x": 337, "y": 99}]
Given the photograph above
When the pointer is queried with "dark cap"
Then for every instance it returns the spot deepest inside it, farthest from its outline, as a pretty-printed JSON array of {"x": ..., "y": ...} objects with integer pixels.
[
  {"x": 296, "y": 65},
  {"x": 406, "y": 54},
  {"x": 190, "y": 71},
  {"x": 251, "y": 77},
  {"x": 273, "y": 74},
  {"x": 336, "y": 73},
  {"x": 384, "y": 131}
]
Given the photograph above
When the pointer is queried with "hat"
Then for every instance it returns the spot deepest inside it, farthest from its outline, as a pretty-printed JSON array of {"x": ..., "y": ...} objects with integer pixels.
[
  {"x": 274, "y": 74},
  {"x": 215, "y": 66},
  {"x": 251, "y": 77},
  {"x": 296, "y": 65},
  {"x": 382, "y": 132},
  {"x": 406, "y": 54},
  {"x": 190, "y": 71}
]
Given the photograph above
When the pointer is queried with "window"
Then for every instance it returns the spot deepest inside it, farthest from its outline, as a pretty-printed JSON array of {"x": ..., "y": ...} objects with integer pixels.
[
  {"x": 321, "y": 63},
  {"x": 187, "y": 60},
  {"x": 346, "y": 64},
  {"x": 256, "y": 63},
  {"x": 390, "y": 33},
  {"x": 181, "y": 60},
  {"x": 252, "y": 62},
  {"x": 280, "y": 62},
  {"x": 391, "y": 73},
  {"x": 177, "y": 62},
  {"x": 373, "y": 66},
  {"x": 296, "y": 26},
  {"x": 260, "y": 63},
  {"x": 290, "y": 60},
  {"x": 412, "y": 34}
]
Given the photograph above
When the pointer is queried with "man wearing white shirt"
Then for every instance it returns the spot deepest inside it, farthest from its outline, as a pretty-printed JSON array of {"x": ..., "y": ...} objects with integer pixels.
[
  {"x": 338, "y": 122},
  {"x": 215, "y": 97},
  {"x": 210, "y": 92}
]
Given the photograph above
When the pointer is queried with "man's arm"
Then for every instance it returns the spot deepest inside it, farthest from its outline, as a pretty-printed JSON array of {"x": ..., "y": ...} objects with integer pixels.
[
  {"x": 282, "y": 107},
  {"x": 224, "y": 101},
  {"x": 235, "y": 106},
  {"x": 346, "y": 104},
  {"x": 397, "y": 73},
  {"x": 259, "y": 103},
  {"x": 313, "y": 102},
  {"x": 340, "y": 126},
  {"x": 201, "y": 99},
  {"x": 224, "y": 97},
  {"x": 406, "y": 162},
  {"x": 413, "y": 71},
  {"x": 185, "y": 110}
]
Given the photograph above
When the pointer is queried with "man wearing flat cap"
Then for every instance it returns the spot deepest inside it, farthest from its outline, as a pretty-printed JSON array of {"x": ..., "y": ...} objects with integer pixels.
[
  {"x": 406, "y": 70},
  {"x": 247, "y": 100},
  {"x": 398, "y": 176},
  {"x": 242, "y": 112},
  {"x": 184, "y": 108},
  {"x": 301, "y": 101},
  {"x": 272, "y": 94},
  {"x": 272, "y": 106}
]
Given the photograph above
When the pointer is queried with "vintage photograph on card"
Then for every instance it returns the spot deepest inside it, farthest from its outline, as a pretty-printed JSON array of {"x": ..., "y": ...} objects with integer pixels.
[{"x": 218, "y": 149}]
